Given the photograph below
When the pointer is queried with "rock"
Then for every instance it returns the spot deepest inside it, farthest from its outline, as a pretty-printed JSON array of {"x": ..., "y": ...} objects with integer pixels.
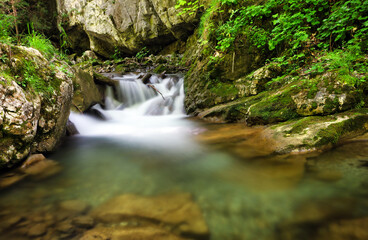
[
  {"x": 71, "y": 129},
  {"x": 344, "y": 229},
  {"x": 136, "y": 233},
  {"x": 255, "y": 82},
  {"x": 96, "y": 112},
  {"x": 32, "y": 119},
  {"x": 42, "y": 169},
  {"x": 33, "y": 159},
  {"x": 86, "y": 93},
  {"x": 74, "y": 206},
  {"x": 87, "y": 56},
  {"x": 311, "y": 133},
  {"x": 37, "y": 230},
  {"x": 11, "y": 221},
  {"x": 95, "y": 234},
  {"x": 123, "y": 25},
  {"x": 10, "y": 179},
  {"x": 176, "y": 211},
  {"x": 148, "y": 233},
  {"x": 83, "y": 221},
  {"x": 146, "y": 78},
  {"x": 101, "y": 79},
  {"x": 65, "y": 227}
]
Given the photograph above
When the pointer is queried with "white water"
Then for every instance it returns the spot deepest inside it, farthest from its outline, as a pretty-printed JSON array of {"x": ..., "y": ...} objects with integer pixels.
[{"x": 140, "y": 115}]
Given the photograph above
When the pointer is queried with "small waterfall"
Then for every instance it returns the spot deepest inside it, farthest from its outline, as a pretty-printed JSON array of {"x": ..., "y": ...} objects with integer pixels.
[
  {"x": 141, "y": 114},
  {"x": 159, "y": 97}
]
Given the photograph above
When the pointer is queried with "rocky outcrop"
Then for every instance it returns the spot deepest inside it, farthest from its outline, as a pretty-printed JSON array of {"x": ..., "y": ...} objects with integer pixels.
[
  {"x": 123, "y": 25},
  {"x": 35, "y": 98}
]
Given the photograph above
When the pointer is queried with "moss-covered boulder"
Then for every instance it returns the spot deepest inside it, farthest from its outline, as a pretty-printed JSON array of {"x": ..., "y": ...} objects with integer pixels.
[
  {"x": 35, "y": 99},
  {"x": 319, "y": 132}
]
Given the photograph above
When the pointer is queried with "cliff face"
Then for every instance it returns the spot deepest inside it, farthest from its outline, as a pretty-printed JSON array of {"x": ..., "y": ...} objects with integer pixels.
[
  {"x": 32, "y": 118},
  {"x": 107, "y": 26}
]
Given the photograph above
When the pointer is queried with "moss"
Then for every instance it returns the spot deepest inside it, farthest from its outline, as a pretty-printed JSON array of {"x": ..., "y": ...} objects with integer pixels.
[
  {"x": 276, "y": 108},
  {"x": 334, "y": 132},
  {"x": 121, "y": 68},
  {"x": 160, "y": 69},
  {"x": 331, "y": 105},
  {"x": 224, "y": 89}
]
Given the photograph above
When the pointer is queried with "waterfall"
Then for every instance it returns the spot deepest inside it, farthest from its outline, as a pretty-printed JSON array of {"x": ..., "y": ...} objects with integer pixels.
[
  {"x": 159, "y": 97},
  {"x": 140, "y": 113}
]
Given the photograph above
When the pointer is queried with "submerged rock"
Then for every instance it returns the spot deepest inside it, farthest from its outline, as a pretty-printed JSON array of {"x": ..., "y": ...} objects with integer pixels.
[{"x": 176, "y": 212}]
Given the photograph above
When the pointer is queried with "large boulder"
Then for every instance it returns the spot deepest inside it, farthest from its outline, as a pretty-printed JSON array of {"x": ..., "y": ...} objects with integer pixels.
[
  {"x": 124, "y": 25},
  {"x": 35, "y": 98}
]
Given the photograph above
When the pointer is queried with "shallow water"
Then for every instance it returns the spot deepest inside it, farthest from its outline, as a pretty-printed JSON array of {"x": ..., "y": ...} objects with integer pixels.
[{"x": 242, "y": 190}]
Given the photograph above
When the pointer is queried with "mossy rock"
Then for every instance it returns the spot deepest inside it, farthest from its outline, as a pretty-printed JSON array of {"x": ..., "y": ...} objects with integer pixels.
[{"x": 319, "y": 132}]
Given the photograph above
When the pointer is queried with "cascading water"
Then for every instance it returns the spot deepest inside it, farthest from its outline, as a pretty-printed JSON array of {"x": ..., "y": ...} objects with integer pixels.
[{"x": 149, "y": 114}]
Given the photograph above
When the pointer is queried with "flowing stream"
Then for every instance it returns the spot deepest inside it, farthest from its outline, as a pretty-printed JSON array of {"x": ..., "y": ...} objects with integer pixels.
[{"x": 146, "y": 145}]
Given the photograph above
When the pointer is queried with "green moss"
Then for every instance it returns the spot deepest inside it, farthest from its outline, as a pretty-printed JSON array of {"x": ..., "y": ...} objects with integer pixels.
[
  {"x": 276, "y": 108},
  {"x": 223, "y": 89},
  {"x": 331, "y": 105},
  {"x": 160, "y": 68},
  {"x": 333, "y": 133}
]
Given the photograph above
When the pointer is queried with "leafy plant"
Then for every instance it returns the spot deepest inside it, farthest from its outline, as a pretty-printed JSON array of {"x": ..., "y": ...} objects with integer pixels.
[
  {"x": 142, "y": 53},
  {"x": 40, "y": 42},
  {"x": 188, "y": 7}
]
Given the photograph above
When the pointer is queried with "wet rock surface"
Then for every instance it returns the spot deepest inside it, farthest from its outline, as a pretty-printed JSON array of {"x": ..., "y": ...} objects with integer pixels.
[
  {"x": 176, "y": 212},
  {"x": 164, "y": 217},
  {"x": 36, "y": 167}
]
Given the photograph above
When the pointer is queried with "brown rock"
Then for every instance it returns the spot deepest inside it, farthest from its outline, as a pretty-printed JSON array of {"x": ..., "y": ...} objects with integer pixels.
[
  {"x": 10, "y": 179},
  {"x": 74, "y": 206},
  {"x": 95, "y": 234},
  {"x": 37, "y": 230},
  {"x": 345, "y": 229},
  {"x": 65, "y": 227},
  {"x": 32, "y": 159},
  {"x": 83, "y": 221},
  {"x": 42, "y": 169},
  {"x": 147, "y": 233},
  {"x": 175, "y": 211},
  {"x": 9, "y": 222}
]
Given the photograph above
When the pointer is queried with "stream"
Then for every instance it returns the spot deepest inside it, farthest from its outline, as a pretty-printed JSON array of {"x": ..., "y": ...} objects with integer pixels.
[{"x": 147, "y": 146}]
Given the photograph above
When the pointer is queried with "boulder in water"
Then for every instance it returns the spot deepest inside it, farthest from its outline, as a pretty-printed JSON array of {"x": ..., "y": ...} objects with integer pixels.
[
  {"x": 176, "y": 212},
  {"x": 95, "y": 112},
  {"x": 71, "y": 129}
]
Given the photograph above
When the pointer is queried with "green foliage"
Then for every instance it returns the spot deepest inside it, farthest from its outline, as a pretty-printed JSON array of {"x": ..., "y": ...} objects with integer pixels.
[
  {"x": 348, "y": 21},
  {"x": 31, "y": 78},
  {"x": 188, "y": 7},
  {"x": 6, "y": 26},
  {"x": 117, "y": 54},
  {"x": 40, "y": 42},
  {"x": 293, "y": 24},
  {"x": 142, "y": 53},
  {"x": 64, "y": 40}
]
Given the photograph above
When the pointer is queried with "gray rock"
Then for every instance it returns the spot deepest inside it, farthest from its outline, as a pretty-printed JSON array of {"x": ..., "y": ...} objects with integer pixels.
[{"x": 127, "y": 25}]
